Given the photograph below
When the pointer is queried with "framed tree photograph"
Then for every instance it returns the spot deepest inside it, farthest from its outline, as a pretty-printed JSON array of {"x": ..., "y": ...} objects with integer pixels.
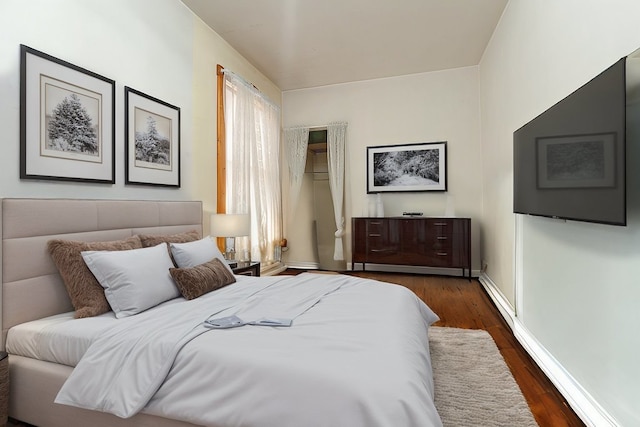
[
  {"x": 152, "y": 139},
  {"x": 67, "y": 121},
  {"x": 408, "y": 167}
]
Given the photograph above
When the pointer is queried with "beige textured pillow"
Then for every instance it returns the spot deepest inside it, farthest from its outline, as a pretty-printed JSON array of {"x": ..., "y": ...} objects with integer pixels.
[
  {"x": 196, "y": 281},
  {"x": 87, "y": 296},
  {"x": 155, "y": 239}
]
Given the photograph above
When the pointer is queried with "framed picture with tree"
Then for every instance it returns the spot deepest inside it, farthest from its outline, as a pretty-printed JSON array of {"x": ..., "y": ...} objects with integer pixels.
[
  {"x": 407, "y": 167},
  {"x": 67, "y": 126},
  {"x": 152, "y": 139}
]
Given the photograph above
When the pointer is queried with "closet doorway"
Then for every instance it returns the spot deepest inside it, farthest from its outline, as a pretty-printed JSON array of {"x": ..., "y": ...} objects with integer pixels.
[{"x": 324, "y": 223}]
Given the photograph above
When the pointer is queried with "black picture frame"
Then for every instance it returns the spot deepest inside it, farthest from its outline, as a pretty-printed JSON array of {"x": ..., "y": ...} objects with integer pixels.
[
  {"x": 152, "y": 140},
  {"x": 412, "y": 167},
  {"x": 67, "y": 121}
]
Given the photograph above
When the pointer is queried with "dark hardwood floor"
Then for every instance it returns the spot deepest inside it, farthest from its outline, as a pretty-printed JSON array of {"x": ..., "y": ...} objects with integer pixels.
[{"x": 464, "y": 304}]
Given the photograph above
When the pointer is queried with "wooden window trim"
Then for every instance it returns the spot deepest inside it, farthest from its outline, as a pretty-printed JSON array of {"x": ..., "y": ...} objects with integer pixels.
[
  {"x": 221, "y": 156},
  {"x": 221, "y": 146}
]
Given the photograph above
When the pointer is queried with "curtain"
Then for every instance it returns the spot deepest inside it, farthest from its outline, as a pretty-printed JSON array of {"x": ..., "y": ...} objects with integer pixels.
[
  {"x": 297, "y": 142},
  {"x": 252, "y": 125},
  {"x": 336, "y": 133}
]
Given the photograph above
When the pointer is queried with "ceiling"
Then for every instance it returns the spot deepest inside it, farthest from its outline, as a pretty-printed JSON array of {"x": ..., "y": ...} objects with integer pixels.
[{"x": 308, "y": 43}]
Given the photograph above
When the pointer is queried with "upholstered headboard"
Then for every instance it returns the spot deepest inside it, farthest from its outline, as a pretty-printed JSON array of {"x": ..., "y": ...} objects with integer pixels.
[{"x": 31, "y": 285}]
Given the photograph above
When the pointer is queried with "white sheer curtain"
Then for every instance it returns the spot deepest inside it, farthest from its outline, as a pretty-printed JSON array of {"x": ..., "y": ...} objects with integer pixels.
[
  {"x": 336, "y": 134},
  {"x": 252, "y": 125},
  {"x": 297, "y": 143}
]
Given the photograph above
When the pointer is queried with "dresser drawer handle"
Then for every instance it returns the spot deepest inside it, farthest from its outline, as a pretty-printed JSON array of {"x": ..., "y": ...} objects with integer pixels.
[
  {"x": 377, "y": 250},
  {"x": 442, "y": 237},
  {"x": 374, "y": 235},
  {"x": 442, "y": 254},
  {"x": 440, "y": 223},
  {"x": 375, "y": 223}
]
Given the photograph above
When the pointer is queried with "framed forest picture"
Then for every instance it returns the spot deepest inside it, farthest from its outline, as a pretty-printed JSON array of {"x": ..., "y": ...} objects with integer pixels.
[
  {"x": 67, "y": 126},
  {"x": 152, "y": 139},
  {"x": 407, "y": 167}
]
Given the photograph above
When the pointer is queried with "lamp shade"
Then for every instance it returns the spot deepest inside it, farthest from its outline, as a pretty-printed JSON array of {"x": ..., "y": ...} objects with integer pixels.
[{"x": 229, "y": 225}]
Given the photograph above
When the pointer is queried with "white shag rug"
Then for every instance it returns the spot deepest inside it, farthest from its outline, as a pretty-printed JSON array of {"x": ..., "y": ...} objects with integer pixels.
[{"x": 473, "y": 384}]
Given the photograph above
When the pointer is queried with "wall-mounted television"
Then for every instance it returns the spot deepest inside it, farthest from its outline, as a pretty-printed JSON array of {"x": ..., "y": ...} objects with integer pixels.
[{"x": 569, "y": 162}]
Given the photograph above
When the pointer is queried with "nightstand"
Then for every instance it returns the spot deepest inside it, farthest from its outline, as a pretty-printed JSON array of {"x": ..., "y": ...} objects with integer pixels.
[
  {"x": 4, "y": 388},
  {"x": 247, "y": 269}
]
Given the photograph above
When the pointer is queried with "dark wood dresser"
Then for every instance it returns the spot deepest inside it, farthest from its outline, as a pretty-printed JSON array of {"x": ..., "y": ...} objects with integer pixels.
[{"x": 416, "y": 241}]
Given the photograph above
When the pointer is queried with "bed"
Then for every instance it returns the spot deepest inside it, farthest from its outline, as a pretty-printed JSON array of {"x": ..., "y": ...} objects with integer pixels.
[{"x": 356, "y": 352}]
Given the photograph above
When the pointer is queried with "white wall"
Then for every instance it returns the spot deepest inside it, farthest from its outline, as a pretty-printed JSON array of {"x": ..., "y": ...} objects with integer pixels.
[
  {"x": 146, "y": 45},
  {"x": 428, "y": 107},
  {"x": 580, "y": 288},
  {"x": 155, "y": 46}
]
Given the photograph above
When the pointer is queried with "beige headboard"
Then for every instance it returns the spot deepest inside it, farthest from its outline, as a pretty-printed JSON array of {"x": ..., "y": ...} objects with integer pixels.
[{"x": 31, "y": 285}]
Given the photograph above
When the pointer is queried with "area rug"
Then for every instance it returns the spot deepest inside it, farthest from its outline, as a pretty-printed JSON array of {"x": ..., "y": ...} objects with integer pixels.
[{"x": 473, "y": 385}]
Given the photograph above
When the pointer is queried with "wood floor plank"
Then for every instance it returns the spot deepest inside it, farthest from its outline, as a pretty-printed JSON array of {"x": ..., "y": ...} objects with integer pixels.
[{"x": 461, "y": 303}]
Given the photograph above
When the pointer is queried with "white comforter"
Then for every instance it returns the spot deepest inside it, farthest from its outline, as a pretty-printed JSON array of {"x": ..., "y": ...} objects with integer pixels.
[{"x": 356, "y": 355}]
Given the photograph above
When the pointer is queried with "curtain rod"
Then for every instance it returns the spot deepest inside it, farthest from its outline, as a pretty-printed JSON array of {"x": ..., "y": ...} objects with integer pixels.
[
  {"x": 221, "y": 70},
  {"x": 245, "y": 81},
  {"x": 316, "y": 127},
  {"x": 307, "y": 127}
]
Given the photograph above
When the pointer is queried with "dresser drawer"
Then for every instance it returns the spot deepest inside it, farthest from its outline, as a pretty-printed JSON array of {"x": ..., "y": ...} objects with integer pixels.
[
  {"x": 434, "y": 245},
  {"x": 439, "y": 227},
  {"x": 440, "y": 258},
  {"x": 375, "y": 225}
]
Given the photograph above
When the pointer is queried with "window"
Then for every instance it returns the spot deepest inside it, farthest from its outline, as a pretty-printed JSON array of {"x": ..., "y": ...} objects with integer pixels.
[{"x": 249, "y": 153}]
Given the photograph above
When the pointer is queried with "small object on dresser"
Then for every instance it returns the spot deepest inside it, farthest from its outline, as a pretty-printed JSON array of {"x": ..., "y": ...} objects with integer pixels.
[
  {"x": 412, "y": 213},
  {"x": 4, "y": 388}
]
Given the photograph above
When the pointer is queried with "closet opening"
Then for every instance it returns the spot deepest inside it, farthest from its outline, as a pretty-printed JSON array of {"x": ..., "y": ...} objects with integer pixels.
[{"x": 324, "y": 225}]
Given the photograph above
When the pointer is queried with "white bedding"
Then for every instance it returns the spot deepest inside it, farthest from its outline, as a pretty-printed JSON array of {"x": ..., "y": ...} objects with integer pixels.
[
  {"x": 357, "y": 357},
  {"x": 61, "y": 338}
]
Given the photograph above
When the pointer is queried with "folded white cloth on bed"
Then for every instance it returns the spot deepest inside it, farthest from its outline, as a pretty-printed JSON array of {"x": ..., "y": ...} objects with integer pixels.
[{"x": 235, "y": 322}]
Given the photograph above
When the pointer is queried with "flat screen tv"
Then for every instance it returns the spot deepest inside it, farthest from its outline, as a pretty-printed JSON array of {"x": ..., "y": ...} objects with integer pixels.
[{"x": 569, "y": 162}]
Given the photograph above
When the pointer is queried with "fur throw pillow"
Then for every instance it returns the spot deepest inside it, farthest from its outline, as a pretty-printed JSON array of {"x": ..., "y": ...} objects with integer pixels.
[
  {"x": 149, "y": 240},
  {"x": 201, "y": 279},
  {"x": 86, "y": 294}
]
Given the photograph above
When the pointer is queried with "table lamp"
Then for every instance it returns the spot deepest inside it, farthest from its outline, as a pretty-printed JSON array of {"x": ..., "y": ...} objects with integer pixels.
[{"x": 229, "y": 226}]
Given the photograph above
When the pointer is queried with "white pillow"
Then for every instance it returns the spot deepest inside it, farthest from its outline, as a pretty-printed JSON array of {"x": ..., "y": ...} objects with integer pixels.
[
  {"x": 195, "y": 253},
  {"x": 133, "y": 280}
]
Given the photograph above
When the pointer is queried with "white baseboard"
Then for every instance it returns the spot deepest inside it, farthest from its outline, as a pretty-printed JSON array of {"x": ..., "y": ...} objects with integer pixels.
[
  {"x": 394, "y": 268},
  {"x": 303, "y": 265},
  {"x": 389, "y": 268},
  {"x": 584, "y": 405},
  {"x": 504, "y": 307}
]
